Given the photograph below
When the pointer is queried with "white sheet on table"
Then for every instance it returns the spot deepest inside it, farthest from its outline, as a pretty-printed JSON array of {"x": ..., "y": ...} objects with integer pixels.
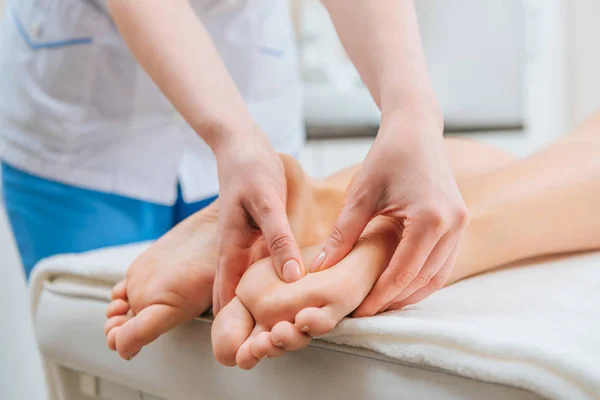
[{"x": 537, "y": 327}]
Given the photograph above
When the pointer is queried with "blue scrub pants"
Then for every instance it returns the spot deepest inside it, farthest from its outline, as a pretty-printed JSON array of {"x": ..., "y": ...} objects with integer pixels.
[{"x": 48, "y": 217}]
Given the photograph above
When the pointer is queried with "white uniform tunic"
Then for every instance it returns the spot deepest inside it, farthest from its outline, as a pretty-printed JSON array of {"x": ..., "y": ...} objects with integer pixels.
[{"x": 76, "y": 107}]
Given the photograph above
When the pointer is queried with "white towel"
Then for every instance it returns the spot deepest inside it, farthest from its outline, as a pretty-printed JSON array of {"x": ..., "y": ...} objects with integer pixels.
[
  {"x": 97, "y": 268},
  {"x": 535, "y": 327}
]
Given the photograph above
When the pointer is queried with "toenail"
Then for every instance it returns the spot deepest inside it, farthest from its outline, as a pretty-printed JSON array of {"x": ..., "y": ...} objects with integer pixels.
[
  {"x": 305, "y": 329},
  {"x": 279, "y": 344},
  {"x": 291, "y": 271}
]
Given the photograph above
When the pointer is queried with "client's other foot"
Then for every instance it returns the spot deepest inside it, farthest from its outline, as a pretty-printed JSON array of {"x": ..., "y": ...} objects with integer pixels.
[
  {"x": 168, "y": 284},
  {"x": 269, "y": 316}
]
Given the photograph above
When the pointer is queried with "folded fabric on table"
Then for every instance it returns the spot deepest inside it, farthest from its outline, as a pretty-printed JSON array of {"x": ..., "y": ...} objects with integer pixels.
[
  {"x": 96, "y": 268},
  {"x": 536, "y": 327}
]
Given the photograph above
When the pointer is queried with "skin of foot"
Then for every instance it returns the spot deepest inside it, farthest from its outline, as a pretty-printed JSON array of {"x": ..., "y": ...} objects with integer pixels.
[
  {"x": 269, "y": 316},
  {"x": 512, "y": 203},
  {"x": 171, "y": 282},
  {"x": 166, "y": 285}
]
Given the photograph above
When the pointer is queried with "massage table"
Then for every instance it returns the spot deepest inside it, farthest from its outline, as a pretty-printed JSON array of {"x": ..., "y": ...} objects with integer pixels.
[{"x": 526, "y": 333}]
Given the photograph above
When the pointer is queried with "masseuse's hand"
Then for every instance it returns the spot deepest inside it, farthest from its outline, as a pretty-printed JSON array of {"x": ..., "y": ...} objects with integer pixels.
[
  {"x": 252, "y": 200},
  {"x": 170, "y": 42},
  {"x": 406, "y": 176}
]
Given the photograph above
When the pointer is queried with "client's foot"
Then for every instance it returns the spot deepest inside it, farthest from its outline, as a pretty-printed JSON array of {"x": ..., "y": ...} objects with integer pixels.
[
  {"x": 269, "y": 316},
  {"x": 167, "y": 285},
  {"x": 172, "y": 281}
]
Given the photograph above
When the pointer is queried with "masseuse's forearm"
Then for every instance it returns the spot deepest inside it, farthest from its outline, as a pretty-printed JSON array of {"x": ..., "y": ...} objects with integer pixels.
[
  {"x": 171, "y": 44},
  {"x": 382, "y": 39}
]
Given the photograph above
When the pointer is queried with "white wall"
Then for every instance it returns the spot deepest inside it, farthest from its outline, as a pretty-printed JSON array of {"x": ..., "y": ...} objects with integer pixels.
[
  {"x": 475, "y": 54},
  {"x": 584, "y": 59}
]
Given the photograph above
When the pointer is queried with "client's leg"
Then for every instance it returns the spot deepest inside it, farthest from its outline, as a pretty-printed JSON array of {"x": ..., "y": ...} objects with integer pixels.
[
  {"x": 544, "y": 204},
  {"x": 513, "y": 211}
]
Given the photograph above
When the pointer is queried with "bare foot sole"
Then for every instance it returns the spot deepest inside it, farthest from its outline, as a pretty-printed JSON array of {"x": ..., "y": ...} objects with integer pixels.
[
  {"x": 171, "y": 283},
  {"x": 167, "y": 285},
  {"x": 269, "y": 316}
]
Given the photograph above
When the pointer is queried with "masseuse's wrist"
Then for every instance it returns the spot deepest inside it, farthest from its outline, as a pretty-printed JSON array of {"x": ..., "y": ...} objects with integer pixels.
[
  {"x": 412, "y": 122},
  {"x": 224, "y": 135},
  {"x": 414, "y": 104},
  {"x": 409, "y": 131},
  {"x": 242, "y": 142}
]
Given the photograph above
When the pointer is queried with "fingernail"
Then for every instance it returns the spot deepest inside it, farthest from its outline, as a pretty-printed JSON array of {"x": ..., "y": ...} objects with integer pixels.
[
  {"x": 318, "y": 261},
  {"x": 291, "y": 271}
]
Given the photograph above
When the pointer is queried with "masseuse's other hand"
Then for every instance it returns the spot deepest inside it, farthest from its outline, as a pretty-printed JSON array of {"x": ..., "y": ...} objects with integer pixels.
[
  {"x": 406, "y": 176},
  {"x": 252, "y": 196}
]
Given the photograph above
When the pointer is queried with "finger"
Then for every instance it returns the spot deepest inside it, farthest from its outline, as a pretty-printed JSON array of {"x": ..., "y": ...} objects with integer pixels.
[
  {"x": 350, "y": 224},
  {"x": 415, "y": 246},
  {"x": 436, "y": 260},
  {"x": 281, "y": 243},
  {"x": 259, "y": 250},
  {"x": 436, "y": 283}
]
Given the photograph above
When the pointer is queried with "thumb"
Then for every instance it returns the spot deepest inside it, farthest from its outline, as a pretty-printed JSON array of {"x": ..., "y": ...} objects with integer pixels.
[
  {"x": 350, "y": 224},
  {"x": 282, "y": 246}
]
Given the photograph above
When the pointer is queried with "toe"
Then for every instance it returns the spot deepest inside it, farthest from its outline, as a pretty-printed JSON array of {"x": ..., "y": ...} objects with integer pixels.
[
  {"x": 318, "y": 321},
  {"x": 117, "y": 307},
  {"x": 286, "y": 335},
  {"x": 244, "y": 358},
  {"x": 114, "y": 322},
  {"x": 111, "y": 339},
  {"x": 145, "y": 327},
  {"x": 232, "y": 326},
  {"x": 262, "y": 346},
  {"x": 119, "y": 291}
]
